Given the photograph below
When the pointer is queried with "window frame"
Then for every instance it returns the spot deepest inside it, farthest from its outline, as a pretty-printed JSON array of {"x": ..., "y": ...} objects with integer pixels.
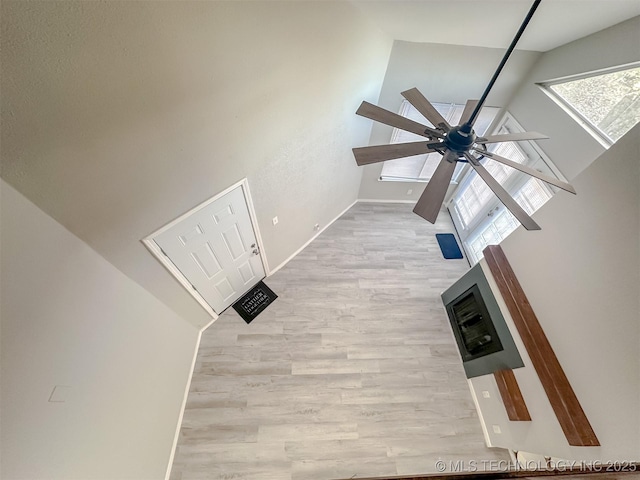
[
  {"x": 531, "y": 149},
  {"x": 583, "y": 121}
]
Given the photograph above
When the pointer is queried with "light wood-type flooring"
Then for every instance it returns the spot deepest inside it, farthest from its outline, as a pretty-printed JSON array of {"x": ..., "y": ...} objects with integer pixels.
[{"x": 352, "y": 372}]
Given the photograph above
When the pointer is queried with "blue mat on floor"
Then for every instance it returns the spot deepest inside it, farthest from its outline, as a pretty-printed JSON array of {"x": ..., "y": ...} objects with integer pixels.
[{"x": 448, "y": 245}]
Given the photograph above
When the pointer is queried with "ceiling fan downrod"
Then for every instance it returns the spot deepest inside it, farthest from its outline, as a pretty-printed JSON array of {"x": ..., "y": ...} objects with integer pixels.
[{"x": 468, "y": 125}]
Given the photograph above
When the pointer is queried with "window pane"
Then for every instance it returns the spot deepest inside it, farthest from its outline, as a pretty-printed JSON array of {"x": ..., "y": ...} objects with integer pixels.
[
  {"x": 471, "y": 200},
  {"x": 502, "y": 225},
  {"x": 532, "y": 195},
  {"x": 404, "y": 167},
  {"x": 610, "y": 102}
]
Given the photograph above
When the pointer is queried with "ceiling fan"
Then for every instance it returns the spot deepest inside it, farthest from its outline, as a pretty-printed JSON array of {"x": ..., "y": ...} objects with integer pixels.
[{"x": 455, "y": 144}]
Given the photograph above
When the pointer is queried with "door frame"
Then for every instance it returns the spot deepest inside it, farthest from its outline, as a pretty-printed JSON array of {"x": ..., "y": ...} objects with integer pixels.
[{"x": 156, "y": 251}]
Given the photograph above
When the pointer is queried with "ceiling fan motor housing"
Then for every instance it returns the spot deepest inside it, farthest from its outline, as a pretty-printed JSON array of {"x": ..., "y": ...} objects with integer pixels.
[{"x": 460, "y": 139}]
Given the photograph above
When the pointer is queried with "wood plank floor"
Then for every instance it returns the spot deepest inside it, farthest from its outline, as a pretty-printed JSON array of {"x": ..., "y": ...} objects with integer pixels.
[{"x": 352, "y": 372}]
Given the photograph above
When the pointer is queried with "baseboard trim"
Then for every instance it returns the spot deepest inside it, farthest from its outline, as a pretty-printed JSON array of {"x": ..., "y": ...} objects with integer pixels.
[
  {"x": 375, "y": 200},
  {"x": 293, "y": 255},
  {"x": 184, "y": 400},
  {"x": 359, "y": 200}
]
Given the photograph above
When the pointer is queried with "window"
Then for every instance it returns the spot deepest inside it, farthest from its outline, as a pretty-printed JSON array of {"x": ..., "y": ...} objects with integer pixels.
[
  {"x": 533, "y": 195},
  {"x": 478, "y": 215},
  {"x": 606, "y": 103},
  {"x": 473, "y": 197},
  {"x": 530, "y": 197},
  {"x": 493, "y": 233},
  {"x": 419, "y": 168}
]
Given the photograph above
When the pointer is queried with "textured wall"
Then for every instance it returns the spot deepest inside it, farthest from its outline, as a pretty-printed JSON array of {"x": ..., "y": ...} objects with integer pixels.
[{"x": 120, "y": 116}]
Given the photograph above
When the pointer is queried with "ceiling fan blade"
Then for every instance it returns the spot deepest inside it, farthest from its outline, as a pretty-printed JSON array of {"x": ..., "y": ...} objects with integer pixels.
[
  {"x": 415, "y": 98},
  {"x": 512, "y": 137},
  {"x": 430, "y": 201},
  {"x": 529, "y": 171},
  {"x": 468, "y": 110},
  {"x": 380, "y": 153},
  {"x": 381, "y": 115},
  {"x": 508, "y": 201}
]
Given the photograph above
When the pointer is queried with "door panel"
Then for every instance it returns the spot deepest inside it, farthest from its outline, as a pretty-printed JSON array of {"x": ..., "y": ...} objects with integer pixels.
[
  {"x": 233, "y": 240},
  {"x": 215, "y": 248},
  {"x": 206, "y": 259}
]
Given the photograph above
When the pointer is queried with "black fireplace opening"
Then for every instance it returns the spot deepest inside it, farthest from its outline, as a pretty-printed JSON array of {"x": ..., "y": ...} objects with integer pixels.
[{"x": 472, "y": 325}]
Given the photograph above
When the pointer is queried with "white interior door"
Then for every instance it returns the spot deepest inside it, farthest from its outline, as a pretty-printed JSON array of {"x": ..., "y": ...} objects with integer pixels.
[{"x": 216, "y": 250}]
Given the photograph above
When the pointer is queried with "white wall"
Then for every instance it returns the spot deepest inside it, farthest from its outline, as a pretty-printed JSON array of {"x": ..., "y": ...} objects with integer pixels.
[
  {"x": 120, "y": 116},
  {"x": 570, "y": 147},
  {"x": 582, "y": 271},
  {"x": 443, "y": 73},
  {"x": 70, "y": 318},
  {"x": 581, "y": 274}
]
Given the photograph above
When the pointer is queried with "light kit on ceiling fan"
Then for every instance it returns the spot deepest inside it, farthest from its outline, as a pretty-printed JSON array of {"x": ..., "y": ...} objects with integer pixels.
[{"x": 455, "y": 144}]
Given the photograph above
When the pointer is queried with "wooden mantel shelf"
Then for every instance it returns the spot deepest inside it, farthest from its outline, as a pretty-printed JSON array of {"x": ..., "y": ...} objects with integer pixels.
[
  {"x": 564, "y": 402},
  {"x": 514, "y": 403}
]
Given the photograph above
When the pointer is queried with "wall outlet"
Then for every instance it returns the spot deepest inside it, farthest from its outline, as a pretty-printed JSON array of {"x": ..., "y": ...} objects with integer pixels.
[
  {"x": 316, "y": 227},
  {"x": 275, "y": 220},
  {"x": 485, "y": 394},
  {"x": 497, "y": 429},
  {"x": 409, "y": 192}
]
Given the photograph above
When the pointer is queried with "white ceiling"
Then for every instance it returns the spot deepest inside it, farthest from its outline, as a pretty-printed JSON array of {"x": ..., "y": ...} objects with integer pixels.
[{"x": 493, "y": 23}]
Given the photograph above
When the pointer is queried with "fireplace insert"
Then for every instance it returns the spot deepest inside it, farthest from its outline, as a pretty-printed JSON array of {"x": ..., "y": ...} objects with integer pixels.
[
  {"x": 478, "y": 325},
  {"x": 472, "y": 325}
]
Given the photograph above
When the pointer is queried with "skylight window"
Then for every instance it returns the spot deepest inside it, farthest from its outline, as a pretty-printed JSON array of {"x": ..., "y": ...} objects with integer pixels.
[{"x": 606, "y": 104}]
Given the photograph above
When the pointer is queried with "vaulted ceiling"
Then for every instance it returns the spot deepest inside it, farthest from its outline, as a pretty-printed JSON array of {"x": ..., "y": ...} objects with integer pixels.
[{"x": 493, "y": 23}]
